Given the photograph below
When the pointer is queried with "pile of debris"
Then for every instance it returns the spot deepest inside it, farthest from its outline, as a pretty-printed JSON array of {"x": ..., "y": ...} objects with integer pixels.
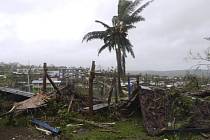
[
  {"x": 162, "y": 111},
  {"x": 153, "y": 107},
  {"x": 165, "y": 112}
]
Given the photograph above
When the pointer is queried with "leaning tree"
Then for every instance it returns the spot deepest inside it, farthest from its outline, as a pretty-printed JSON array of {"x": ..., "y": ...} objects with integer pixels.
[
  {"x": 128, "y": 15},
  {"x": 115, "y": 37}
]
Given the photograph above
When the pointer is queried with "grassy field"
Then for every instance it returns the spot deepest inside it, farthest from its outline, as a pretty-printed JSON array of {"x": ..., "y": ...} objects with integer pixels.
[{"x": 131, "y": 129}]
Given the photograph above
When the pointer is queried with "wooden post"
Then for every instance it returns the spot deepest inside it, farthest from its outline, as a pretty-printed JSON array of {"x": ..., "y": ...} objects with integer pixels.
[
  {"x": 129, "y": 87},
  {"x": 111, "y": 91},
  {"x": 44, "y": 86},
  {"x": 91, "y": 78},
  {"x": 116, "y": 89},
  {"x": 137, "y": 81}
]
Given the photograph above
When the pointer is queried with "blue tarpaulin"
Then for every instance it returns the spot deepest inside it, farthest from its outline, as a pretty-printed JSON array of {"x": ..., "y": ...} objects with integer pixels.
[{"x": 46, "y": 126}]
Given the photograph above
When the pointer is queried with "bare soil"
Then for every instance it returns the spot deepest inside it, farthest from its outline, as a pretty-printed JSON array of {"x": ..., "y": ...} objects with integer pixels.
[{"x": 22, "y": 133}]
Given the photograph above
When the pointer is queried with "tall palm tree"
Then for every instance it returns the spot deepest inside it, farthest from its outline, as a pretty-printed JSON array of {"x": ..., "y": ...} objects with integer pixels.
[
  {"x": 115, "y": 39},
  {"x": 115, "y": 36},
  {"x": 128, "y": 15}
]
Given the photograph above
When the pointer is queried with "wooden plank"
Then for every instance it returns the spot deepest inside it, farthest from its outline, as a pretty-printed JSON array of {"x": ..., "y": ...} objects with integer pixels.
[
  {"x": 71, "y": 101},
  {"x": 97, "y": 106}
]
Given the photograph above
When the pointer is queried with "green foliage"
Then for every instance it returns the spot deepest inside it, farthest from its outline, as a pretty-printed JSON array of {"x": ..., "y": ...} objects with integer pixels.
[
  {"x": 129, "y": 11},
  {"x": 184, "y": 105},
  {"x": 179, "y": 109},
  {"x": 183, "y": 136},
  {"x": 54, "y": 107},
  {"x": 4, "y": 122},
  {"x": 18, "y": 121}
]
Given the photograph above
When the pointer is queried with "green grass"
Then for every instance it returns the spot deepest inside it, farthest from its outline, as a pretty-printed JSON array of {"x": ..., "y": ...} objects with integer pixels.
[
  {"x": 129, "y": 130},
  {"x": 19, "y": 121}
]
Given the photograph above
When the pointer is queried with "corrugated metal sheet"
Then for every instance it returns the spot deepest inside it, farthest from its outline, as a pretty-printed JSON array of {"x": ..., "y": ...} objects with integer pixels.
[{"x": 17, "y": 92}]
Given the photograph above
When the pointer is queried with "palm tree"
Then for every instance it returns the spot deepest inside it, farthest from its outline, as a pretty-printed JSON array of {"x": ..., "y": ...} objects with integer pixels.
[
  {"x": 128, "y": 15},
  {"x": 115, "y": 36},
  {"x": 114, "y": 39}
]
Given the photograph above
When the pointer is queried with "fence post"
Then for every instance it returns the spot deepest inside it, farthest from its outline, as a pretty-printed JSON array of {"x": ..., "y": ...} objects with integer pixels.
[
  {"x": 44, "y": 86},
  {"x": 137, "y": 81},
  {"x": 129, "y": 87},
  {"x": 91, "y": 78}
]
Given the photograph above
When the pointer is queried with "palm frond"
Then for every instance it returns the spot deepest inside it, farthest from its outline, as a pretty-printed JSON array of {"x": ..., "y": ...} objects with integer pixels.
[
  {"x": 124, "y": 52},
  {"x": 103, "y": 47},
  {"x": 207, "y": 38},
  {"x": 140, "y": 9},
  {"x": 93, "y": 35},
  {"x": 131, "y": 52},
  {"x": 130, "y": 9},
  {"x": 122, "y": 5},
  {"x": 128, "y": 47},
  {"x": 128, "y": 27},
  {"x": 133, "y": 19},
  {"x": 104, "y": 24}
]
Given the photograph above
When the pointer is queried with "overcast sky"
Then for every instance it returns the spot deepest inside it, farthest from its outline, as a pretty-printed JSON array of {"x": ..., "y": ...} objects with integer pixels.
[{"x": 37, "y": 31}]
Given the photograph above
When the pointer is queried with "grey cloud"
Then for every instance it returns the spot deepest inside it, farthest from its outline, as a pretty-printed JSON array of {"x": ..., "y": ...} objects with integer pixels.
[
  {"x": 23, "y": 6},
  {"x": 171, "y": 29},
  {"x": 162, "y": 42}
]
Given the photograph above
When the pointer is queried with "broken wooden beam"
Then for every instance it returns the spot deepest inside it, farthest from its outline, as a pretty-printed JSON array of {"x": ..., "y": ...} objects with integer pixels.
[
  {"x": 92, "y": 123},
  {"x": 53, "y": 84},
  {"x": 71, "y": 101},
  {"x": 98, "y": 106}
]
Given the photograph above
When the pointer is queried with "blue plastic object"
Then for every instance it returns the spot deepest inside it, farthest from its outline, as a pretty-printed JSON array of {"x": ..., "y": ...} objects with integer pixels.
[{"x": 46, "y": 126}]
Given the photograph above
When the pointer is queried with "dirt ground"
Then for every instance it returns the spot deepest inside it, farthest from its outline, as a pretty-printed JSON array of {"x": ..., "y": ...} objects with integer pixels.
[{"x": 23, "y": 133}]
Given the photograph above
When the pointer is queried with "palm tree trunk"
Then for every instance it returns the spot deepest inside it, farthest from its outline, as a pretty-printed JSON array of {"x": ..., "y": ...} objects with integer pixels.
[
  {"x": 123, "y": 65},
  {"x": 119, "y": 72}
]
